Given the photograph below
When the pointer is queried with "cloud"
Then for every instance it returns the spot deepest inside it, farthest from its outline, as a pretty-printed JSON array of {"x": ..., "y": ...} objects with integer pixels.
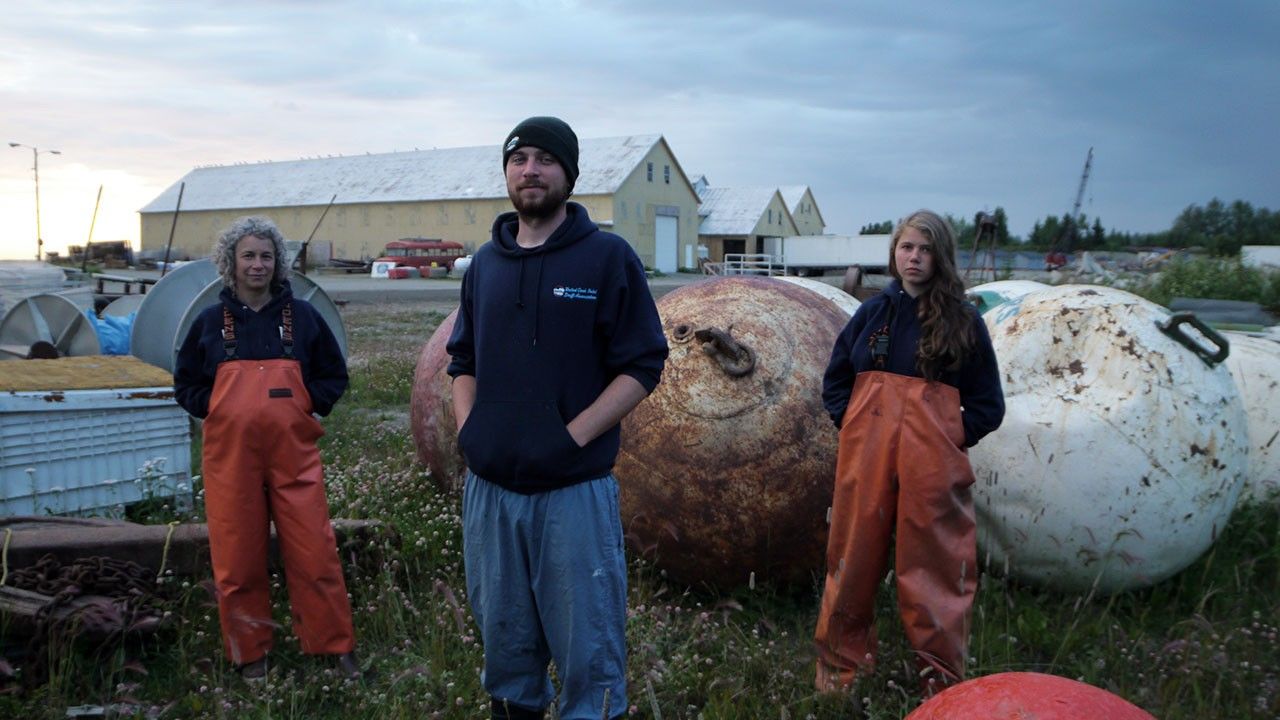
[{"x": 881, "y": 107}]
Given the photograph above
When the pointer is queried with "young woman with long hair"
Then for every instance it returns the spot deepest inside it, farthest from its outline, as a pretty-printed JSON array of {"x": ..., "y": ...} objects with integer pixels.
[{"x": 912, "y": 383}]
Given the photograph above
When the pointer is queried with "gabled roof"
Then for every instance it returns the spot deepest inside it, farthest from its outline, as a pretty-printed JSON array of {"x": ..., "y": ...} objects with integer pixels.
[
  {"x": 793, "y": 194},
  {"x": 733, "y": 211},
  {"x": 415, "y": 176}
]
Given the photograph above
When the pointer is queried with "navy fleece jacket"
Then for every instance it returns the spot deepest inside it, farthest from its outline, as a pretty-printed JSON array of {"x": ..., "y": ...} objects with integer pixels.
[
  {"x": 977, "y": 379},
  {"x": 258, "y": 337},
  {"x": 544, "y": 331}
]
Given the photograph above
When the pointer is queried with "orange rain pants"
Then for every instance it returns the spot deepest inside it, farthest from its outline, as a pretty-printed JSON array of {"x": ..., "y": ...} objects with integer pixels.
[
  {"x": 901, "y": 467},
  {"x": 261, "y": 463}
]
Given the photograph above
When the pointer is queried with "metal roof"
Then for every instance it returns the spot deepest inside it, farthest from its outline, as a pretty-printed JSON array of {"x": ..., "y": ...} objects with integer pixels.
[
  {"x": 469, "y": 173},
  {"x": 733, "y": 211},
  {"x": 792, "y": 195}
]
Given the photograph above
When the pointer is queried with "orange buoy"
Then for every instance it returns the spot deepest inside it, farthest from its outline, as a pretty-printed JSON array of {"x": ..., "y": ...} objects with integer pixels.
[
  {"x": 1026, "y": 695},
  {"x": 431, "y": 419}
]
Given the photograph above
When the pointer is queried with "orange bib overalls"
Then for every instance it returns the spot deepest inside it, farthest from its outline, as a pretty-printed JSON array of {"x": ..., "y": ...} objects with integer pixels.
[
  {"x": 261, "y": 464},
  {"x": 900, "y": 469}
]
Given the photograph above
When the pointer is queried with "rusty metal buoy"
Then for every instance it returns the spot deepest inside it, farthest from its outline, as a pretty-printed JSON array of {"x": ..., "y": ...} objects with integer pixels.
[
  {"x": 726, "y": 470},
  {"x": 431, "y": 418}
]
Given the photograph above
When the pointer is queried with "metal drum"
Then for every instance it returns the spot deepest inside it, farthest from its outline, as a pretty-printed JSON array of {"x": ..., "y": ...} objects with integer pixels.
[
  {"x": 727, "y": 469},
  {"x": 1122, "y": 451},
  {"x": 1255, "y": 365},
  {"x": 431, "y": 418}
]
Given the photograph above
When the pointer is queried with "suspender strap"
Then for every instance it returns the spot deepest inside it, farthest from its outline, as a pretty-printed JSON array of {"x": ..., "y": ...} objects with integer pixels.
[
  {"x": 228, "y": 334},
  {"x": 286, "y": 330},
  {"x": 883, "y": 345}
]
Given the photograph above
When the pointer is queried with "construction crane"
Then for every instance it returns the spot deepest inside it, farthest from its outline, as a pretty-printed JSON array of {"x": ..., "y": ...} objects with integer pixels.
[{"x": 1057, "y": 255}]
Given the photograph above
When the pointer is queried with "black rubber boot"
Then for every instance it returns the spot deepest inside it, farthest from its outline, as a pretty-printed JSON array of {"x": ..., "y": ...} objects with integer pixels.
[{"x": 504, "y": 710}]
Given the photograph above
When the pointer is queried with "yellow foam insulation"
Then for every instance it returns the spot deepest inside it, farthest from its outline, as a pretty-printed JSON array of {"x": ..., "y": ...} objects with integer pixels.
[{"x": 87, "y": 372}]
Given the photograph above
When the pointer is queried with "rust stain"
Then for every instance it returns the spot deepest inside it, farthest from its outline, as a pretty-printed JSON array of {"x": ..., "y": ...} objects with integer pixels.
[
  {"x": 54, "y": 397},
  {"x": 1197, "y": 450},
  {"x": 164, "y": 395}
]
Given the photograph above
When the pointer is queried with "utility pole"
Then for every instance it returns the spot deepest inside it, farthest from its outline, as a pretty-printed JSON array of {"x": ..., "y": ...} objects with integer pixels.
[{"x": 35, "y": 159}]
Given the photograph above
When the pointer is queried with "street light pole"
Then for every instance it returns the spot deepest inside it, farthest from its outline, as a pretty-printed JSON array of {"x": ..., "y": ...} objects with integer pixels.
[{"x": 35, "y": 160}]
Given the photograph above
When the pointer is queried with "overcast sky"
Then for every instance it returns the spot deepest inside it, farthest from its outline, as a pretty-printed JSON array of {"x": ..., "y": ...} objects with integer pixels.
[{"x": 881, "y": 108}]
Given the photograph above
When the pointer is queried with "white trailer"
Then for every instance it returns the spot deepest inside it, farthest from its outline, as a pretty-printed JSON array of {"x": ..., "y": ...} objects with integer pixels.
[
  {"x": 1262, "y": 256},
  {"x": 816, "y": 254}
]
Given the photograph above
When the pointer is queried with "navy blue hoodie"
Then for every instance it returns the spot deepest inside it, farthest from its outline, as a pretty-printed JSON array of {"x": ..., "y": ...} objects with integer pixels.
[
  {"x": 977, "y": 379},
  {"x": 543, "y": 331},
  {"x": 324, "y": 371}
]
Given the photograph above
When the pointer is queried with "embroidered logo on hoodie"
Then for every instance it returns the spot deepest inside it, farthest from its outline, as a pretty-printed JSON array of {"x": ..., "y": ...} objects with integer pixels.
[{"x": 574, "y": 293}]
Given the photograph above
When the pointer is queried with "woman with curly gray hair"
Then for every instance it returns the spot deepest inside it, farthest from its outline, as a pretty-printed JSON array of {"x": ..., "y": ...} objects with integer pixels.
[
  {"x": 224, "y": 249},
  {"x": 256, "y": 366}
]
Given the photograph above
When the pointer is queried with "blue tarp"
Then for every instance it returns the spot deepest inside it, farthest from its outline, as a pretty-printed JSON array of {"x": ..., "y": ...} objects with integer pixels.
[{"x": 113, "y": 332}]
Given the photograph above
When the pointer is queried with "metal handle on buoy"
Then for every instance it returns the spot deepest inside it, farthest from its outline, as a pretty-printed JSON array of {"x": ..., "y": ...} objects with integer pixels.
[
  {"x": 735, "y": 358},
  {"x": 1173, "y": 328}
]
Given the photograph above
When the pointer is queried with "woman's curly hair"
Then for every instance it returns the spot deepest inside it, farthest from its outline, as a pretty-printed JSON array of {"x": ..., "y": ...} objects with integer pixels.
[
  {"x": 224, "y": 249},
  {"x": 946, "y": 323}
]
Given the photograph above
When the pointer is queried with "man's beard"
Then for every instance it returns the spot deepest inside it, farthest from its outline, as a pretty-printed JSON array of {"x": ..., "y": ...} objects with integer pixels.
[{"x": 542, "y": 207}]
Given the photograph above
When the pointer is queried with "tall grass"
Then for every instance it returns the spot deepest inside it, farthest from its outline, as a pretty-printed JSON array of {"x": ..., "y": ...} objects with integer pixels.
[{"x": 1204, "y": 644}]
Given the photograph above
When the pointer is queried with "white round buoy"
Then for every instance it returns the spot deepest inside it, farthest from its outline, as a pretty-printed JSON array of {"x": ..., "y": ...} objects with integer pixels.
[
  {"x": 1254, "y": 363},
  {"x": 847, "y": 303},
  {"x": 989, "y": 295},
  {"x": 1122, "y": 451}
]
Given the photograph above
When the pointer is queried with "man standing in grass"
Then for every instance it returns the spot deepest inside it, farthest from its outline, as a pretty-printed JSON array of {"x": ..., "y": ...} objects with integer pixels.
[{"x": 557, "y": 338}]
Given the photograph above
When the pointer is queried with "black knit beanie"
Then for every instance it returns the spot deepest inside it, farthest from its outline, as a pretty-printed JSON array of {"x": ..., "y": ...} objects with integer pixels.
[{"x": 547, "y": 133}]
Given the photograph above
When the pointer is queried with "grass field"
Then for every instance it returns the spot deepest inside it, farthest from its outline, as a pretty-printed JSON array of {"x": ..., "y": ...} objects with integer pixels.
[{"x": 1204, "y": 644}]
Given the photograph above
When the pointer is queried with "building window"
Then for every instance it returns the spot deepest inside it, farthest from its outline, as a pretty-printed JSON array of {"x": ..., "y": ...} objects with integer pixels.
[
  {"x": 666, "y": 174},
  {"x": 770, "y": 216},
  {"x": 649, "y": 172}
]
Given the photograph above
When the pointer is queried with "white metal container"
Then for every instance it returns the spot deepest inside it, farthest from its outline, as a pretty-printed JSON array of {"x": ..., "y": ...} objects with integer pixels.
[
  {"x": 1122, "y": 452},
  {"x": 93, "y": 450},
  {"x": 1255, "y": 365}
]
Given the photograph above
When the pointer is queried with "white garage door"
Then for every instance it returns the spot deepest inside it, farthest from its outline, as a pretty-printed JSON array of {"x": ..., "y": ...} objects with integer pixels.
[{"x": 665, "y": 253}]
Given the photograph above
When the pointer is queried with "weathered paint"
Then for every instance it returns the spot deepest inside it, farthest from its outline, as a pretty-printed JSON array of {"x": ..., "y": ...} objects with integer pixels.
[
  {"x": 728, "y": 478},
  {"x": 992, "y": 294},
  {"x": 431, "y": 418},
  {"x": 1255, "y": 366},
  {"x": 847, "y": 303},
  {"x": 1121, "y": 455},
  {"x": 1026, "y": 696}
]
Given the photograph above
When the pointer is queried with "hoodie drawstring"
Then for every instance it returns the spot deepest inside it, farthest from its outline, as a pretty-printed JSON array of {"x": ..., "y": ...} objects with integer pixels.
[
  {"x": 537, "y": 292},
  {"x": 520, "y": 286},
  {"x": 537, "y": 297}
]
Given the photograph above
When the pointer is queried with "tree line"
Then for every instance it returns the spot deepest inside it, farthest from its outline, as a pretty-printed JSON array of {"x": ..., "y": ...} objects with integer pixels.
[{"x": 1217, "y": 227}]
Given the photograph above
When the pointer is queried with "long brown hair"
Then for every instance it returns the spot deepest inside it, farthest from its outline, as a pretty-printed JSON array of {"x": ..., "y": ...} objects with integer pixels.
[{"x": 946, "y": 325}]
